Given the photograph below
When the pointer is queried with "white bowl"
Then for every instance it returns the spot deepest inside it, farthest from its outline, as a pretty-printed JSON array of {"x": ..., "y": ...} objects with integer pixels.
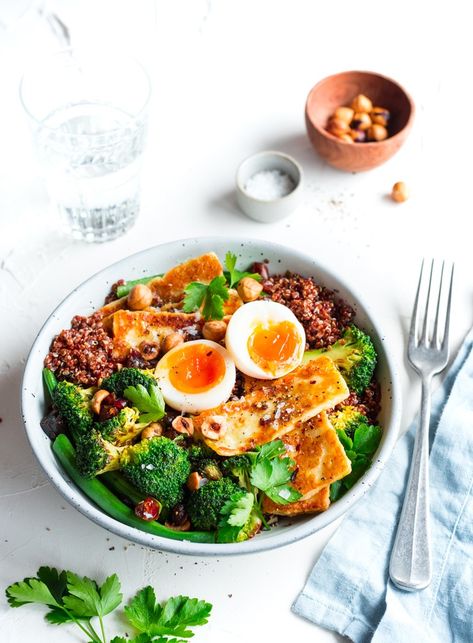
[
  {"x": 268, "y": 210},
  {"x": 90, "y": 295}
]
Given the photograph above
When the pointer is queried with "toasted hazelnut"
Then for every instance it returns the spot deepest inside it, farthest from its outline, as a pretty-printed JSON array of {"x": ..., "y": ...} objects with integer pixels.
[
  {"x": 344, "y": 114},
  {"x": 361, "y": 103},
  {"x": 377, "y": 133},
  {"x": 171, "y": 341},
  {"x": 346, "y": 138},
  {"x": 97, "y": 400},
  {"x": 358, "y": 135},
  {"x": 149, "y": 351},
  {"x": 400, "y": 192},
  {"x": 195, "y": 481},
  {"x": 183, "y": 425},
  {"x": 380, "y": 116},
  {"x": 139, "y": 297},
  {"x": 185, "y": 526},
  {"x": 214, "y": 427},
  {"x": 153, "y": 430},
  {"x": 214, "y": 330},
  {"x": 337, "y": 127},
  {"x": 249, "y": 289},
  {"x": 361, "y": 121}
]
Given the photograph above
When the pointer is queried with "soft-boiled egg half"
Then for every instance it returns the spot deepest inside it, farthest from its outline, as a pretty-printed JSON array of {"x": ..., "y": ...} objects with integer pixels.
[
  {"x": 196, "y": 376},
  {"x": 265, "y": 339}
]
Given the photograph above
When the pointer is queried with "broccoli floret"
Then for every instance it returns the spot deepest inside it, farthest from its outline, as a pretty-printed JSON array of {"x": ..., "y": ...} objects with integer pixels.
[
  {"x": 121, "y": 429},
  {"x": 347, "y": 419},
  {"x": 95, "y": 455},
  {"x": 159, "y": 468},
  {"x": 354, "y": 355},
  {"x": 238, "y": 467},
  {"x": 205, "y": 504},
  {"x": 203, "y": 460},
  {"x": 119, "y": 381},
  {"x": 73, "y": 404}
]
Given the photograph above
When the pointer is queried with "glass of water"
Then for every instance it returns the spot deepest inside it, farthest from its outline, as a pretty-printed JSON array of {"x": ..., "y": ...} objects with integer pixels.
[{"x": 89, "y": 118}]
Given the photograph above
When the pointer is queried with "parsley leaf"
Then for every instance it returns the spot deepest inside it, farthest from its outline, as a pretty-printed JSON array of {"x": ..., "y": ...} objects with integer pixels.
[
  {"x": 30, "y": 590},
  {"x": 87, "y": 599},
  {"x": 150, "y": 403},
  {"x": 211, "y": 297},
  {"x": 232, "y": 275},
  {"x": 272, "y": 473},
  {"x": 171, "y": 618},
  {"x": 236, "y": 518}
]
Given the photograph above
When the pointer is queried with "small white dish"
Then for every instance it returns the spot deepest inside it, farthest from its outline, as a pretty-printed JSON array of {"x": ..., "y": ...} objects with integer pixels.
[{"x": 268, "y": 210}]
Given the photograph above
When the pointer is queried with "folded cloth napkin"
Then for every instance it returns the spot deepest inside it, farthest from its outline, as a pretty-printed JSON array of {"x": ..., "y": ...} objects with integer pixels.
[{"x": 349, "y": 591}]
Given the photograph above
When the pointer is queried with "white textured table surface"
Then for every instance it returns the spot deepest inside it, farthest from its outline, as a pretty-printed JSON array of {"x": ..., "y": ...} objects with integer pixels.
[{"x": 230, "y": 78}]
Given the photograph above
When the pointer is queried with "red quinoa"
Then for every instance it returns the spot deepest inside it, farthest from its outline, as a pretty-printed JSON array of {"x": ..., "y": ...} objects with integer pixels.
[
  {"x": 323, "y": 315},
  {"x": 112, "y": 295},
  {"x": 83, "y": 353},
  {"x": 368, "y": 403}
]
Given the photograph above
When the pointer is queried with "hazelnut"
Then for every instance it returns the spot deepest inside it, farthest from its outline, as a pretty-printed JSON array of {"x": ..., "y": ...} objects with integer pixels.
[
  {"x": 380, "y": 116},
  {"x": 97, "y": 400},
  {"x": 214, "y": 330},
  {"x": 337, "y": 127},
  {"x": 149, "y": 351},
  {"x": 249, "y": 289},
  {"x": 153, "y": 430},
  {"x": 183, "y": 425},
  {"x": 361, "y": 121},
  {"x": 358, "y": 135},
  {"x": 139, "y": 297},
  {"x": 361, "y": 103},
  {"x": 377, "y": 133},
  {"x": 344, "y": 114},
  {"x": 214, "y": 427},
  {"x": 195, "y": 481},
  {"x": 171, "y": 341},
  {"x": 346, "y": 138},
  {"x": 400, "y": 193}
]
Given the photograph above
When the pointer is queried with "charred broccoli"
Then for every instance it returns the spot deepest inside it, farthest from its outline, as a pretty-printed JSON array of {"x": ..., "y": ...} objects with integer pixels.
[
  {"x": 95, "y": 455},
  {"x": 355, "y": 356},
  {"x": 238, "y": 468},
  {"x": 73, "y": 404},
  {"x": 119, "y": 381},
  {"x": 122, "y": 428},
  {"x": 347, "y": 419},
  {"x": 206, "y": 503},
  {"x": 159, "y": 468},
  {"x": 203, "y": 460}
]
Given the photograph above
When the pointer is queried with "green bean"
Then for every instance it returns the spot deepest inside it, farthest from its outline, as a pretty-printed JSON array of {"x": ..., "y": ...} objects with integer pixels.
[{"x": 124, "y": 289}]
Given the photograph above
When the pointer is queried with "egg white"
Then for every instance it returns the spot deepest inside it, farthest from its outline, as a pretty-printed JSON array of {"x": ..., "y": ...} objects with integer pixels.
[
  {"x": 196, "y": 402},
  {"x": 241, "y": 326}
]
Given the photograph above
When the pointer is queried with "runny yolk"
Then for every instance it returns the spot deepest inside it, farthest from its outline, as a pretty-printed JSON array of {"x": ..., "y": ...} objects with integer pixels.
[
  {"x": 196, "y": 368},
  {"x": 273, "y": 344}
]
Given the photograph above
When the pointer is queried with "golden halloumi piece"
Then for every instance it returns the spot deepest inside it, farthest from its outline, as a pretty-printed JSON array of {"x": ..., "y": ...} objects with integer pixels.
[
  {"x": 131, "y": 328},
  {"x": 275, "y": 407},
  {"x": 318, "y": 453},
  {"x": 320, "y": 501},
  {"x": 171, "y": 286}
]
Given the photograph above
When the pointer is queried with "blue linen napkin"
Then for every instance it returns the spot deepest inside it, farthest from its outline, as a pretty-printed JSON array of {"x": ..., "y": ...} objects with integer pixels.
[{"x": 348, "y": 590}]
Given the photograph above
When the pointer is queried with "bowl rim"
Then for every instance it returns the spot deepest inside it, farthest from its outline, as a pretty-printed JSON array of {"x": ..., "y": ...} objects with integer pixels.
[
  {"x": 286, "y": 536},
  {"x": 368, "y": 144},
  {"x": 287, "y": 157}
]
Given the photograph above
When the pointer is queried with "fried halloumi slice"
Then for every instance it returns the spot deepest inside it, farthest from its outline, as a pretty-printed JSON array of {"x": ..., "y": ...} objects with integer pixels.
[
  {"x": 274, "y": 407},
  {"x": 320, "y": 501},
  {"x": 131, "y": 328},
  {"x": 171, "y": 286},
  {"x": 318, "y": 453}
]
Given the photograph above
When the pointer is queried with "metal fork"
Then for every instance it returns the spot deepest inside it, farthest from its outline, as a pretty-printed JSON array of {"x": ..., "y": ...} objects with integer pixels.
[{"x": 410, "y": 567}]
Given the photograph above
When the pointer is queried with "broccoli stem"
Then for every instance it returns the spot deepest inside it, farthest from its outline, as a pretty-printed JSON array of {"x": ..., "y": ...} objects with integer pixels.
[
  {"x": 125, "y": 288},
  {"x": 106, "y": 500},
  {"x": 50, "y": 382}
]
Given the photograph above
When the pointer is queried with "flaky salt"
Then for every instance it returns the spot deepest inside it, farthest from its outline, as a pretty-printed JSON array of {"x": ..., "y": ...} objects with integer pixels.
[{"x": 269, "y": 184}]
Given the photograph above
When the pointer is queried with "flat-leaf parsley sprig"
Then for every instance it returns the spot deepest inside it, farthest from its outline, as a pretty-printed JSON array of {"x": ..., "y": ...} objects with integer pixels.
[
  {"x": 150, "y": 403},
  {"x": 210, "y": 297},
  {"x": 74, "y": 599},
  {"x": 232, "y": 275}
]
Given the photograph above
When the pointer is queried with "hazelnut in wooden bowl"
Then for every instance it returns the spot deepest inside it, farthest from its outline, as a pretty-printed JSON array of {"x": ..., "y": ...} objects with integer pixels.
[{"x": 354, "y": 98}]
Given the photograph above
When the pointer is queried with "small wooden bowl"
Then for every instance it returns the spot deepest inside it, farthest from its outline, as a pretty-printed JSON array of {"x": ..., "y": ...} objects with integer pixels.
[{"x": 340, "y": 89}]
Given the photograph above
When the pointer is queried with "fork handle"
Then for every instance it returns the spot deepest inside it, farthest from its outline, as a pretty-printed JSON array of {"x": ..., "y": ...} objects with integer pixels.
[{"x": 410, "y": 567}]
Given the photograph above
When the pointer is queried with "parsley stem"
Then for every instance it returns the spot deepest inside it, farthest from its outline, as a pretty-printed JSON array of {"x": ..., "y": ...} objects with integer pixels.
[{"x": 102, "y": 629}]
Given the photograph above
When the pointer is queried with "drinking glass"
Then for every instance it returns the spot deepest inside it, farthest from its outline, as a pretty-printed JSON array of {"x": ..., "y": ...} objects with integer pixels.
[{"x": 89, "y": 118}]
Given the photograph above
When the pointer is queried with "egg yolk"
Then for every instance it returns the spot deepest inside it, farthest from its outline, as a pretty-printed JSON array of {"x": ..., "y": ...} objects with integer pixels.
[
  {"x": 274, "y": 344},
  {"x": 195, "y": 368}
]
